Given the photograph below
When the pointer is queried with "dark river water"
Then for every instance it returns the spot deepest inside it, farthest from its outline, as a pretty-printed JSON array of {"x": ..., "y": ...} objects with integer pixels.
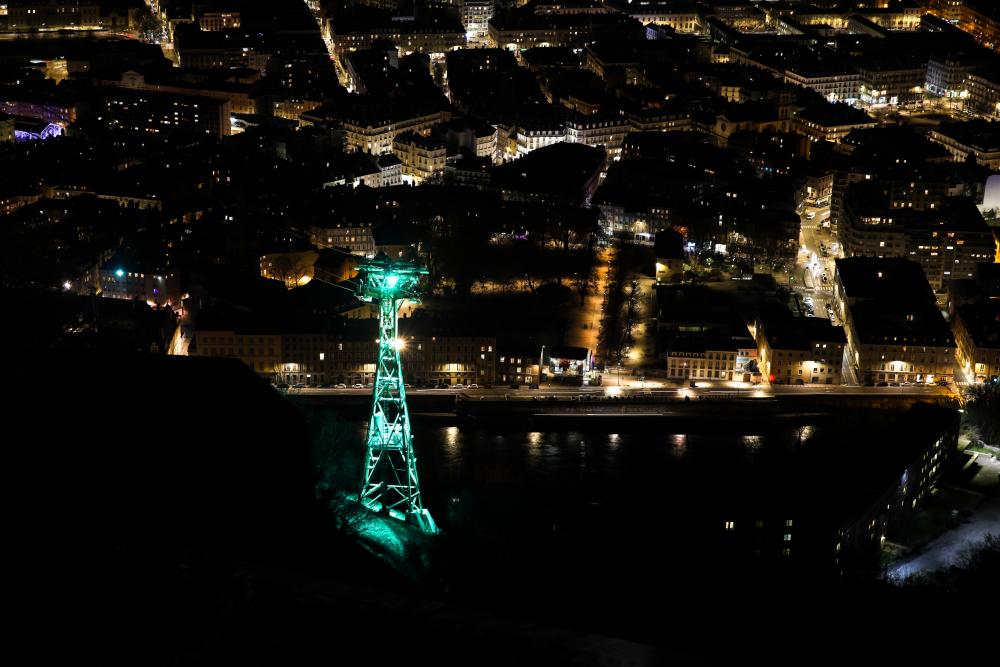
[
  {"x": 588, "y": 527},
  {"x": 580, "y": 490}
]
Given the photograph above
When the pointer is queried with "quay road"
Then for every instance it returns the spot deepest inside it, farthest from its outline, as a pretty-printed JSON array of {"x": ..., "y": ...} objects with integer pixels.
[{"x": 704, "y": 389}]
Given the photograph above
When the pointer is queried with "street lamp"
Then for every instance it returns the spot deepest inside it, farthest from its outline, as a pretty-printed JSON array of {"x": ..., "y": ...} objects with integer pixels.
[{"x": 541, "y": 365}]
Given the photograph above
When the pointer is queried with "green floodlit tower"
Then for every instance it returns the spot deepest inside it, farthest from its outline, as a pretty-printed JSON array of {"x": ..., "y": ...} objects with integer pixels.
[{"x": 390, "y": 481}]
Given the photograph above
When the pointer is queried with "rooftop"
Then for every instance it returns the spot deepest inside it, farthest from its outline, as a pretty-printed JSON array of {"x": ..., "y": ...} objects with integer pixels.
[
  {"x": 982, "y": 322},
  {"x": 895, "y": 322},
  {"x": 561, "y": 170},
  {"x": 802, "y": 333},
  {"x": 981, "y": 135},
  {"x": 835, "y": 115},
  {"x": 884, "y": 279}
]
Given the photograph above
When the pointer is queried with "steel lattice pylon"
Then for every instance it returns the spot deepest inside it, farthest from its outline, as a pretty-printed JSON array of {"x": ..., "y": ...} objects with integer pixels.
[{"x": 390, "y": 482}]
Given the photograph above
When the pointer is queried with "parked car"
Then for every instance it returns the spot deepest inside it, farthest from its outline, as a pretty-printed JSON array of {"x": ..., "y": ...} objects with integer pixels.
[
  {"x": 357, "y": 385},
  {"x": 340, "y": 385},
  {"x": 458, "y": 385},
  {"x": 905, "y": 384},
  {"x": 282, "y": 385},
  {"x": 473, "y": 386},
  {"x": 298, "y": 386},
  {"x": 514, "y": 385},
  {"x": 810, "y": 215}
]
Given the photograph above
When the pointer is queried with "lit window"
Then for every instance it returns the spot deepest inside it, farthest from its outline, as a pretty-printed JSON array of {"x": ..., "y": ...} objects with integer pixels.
[
  {"x": 730, "y": 525},
  {"x": 787, "y": 537}
]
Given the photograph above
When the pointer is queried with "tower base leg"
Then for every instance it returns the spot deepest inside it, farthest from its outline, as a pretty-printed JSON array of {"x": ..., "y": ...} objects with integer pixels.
[{"x": 423, "y": 520}]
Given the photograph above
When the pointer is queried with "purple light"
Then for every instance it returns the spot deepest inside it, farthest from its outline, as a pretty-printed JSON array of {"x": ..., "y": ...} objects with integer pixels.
[{"x": 49, "y": 131}]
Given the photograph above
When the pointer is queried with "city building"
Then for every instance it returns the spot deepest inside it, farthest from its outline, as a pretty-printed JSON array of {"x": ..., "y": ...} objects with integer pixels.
[
  {"x": 148, "y": 112},
  {"x": 947, "y": 236},
  {"x": 981, "y": 20},
  {"x": 423, "y": 158},
  {"x": 357, "y": 239},
  {"x": 347, "y": 354},
  {"x": 223, "y": 49},
  {"x": 129, "y": 280},
  {"x": 373, "y": 130},
  {"x": 895, "y": 331},
  {"x": 476, "y": 15},
  {"x": 236, "y": 87},
  {"x": 468, "y": 134},
  {"x": 984, "y": 93},
  {"x": 6, "y": 128},
  {"x": 948, "y": 76},
  {"x": 566, "y": 364},
  {"x": 799, "y": 350},
  {"x": 518, "y": 364},
  {"x": 977, "y": 335},
  {"x": 668, "y": 249},
  {"x": 711, "y": 357},
  {"x": 215, "y": 21},
  {"x": 977, "y": 140},
  {"x": 830, "y": 122},
  {"x": 598, "y": 130},
  {"x": 682, "y": 17},
  {"x": 353, "y": 29},
  {"x": 53, "y": 15},
  {"x": 524, "y": 29}
]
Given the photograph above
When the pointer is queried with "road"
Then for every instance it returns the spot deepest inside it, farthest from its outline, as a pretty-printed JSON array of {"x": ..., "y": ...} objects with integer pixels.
[
  {"x": 634, "y": 386},
  {"x": 585, "y": 328},
  {"x": 811, "y": 264}
]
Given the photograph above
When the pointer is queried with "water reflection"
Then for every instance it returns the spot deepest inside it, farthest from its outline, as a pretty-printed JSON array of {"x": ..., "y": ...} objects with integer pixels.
[
  {"x": 536, "y": 440},
  {"x": 678, "y": 445}
]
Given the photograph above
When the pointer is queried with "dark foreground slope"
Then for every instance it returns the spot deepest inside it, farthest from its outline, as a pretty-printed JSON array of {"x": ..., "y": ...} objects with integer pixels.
[{"x": 162, "y": 511}]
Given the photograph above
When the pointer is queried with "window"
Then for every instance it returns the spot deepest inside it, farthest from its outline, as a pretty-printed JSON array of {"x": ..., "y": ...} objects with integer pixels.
[
  {"x": 788, "y": 523},
  {"x": 787, "y": 537},
  {"x": 730, "y": 525},
  {"x": 760, "y": 523}
]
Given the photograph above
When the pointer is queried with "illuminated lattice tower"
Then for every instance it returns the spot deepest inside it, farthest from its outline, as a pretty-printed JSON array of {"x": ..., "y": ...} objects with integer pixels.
[{"x": 390, "y": 482}]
